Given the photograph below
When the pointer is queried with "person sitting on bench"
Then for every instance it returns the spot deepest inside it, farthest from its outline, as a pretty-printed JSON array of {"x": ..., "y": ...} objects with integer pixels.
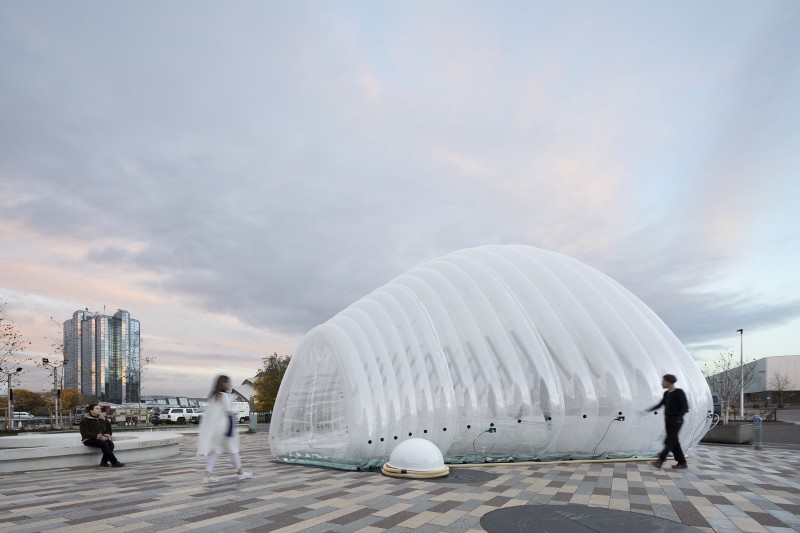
[{"x": 95, "y": 433}]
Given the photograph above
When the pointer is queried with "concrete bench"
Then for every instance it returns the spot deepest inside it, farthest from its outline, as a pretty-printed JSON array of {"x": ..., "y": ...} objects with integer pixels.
[{"x": 30, "y": 451}]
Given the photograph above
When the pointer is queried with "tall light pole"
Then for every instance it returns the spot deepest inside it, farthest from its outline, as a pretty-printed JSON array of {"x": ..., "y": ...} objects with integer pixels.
[
  {"x": 741, "y": 369},
  {"x": 10, "y": 410},
  {"x": 58, "y": 420},
  {"x": 45, "y": 363},
  {"x": 58, "y": 392}
]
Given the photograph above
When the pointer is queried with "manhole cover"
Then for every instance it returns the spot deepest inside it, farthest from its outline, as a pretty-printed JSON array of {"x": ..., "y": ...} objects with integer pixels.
[{"x": 572, "y": 518}]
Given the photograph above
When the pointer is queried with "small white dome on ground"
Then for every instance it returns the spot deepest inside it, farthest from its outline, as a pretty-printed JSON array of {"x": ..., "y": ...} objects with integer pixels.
[
  {"x": 417, "y": 454},
  {"x": 416, "y": 458}
]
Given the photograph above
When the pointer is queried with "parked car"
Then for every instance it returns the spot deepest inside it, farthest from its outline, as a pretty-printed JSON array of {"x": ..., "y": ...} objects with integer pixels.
[
  {"x": 717, "y": 399},
  {"x": 241, "y": 412},
  {"x": 176, "y": 415},
  {"x": 22, "y": 414}
]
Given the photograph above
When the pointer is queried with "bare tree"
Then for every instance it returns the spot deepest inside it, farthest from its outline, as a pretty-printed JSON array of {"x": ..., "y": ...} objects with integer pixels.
[
  {"x": 145, "y": 363},
  {"x": 725, "y": 379},
  {"x": 779, "y": 384},
  {"x": 12, "y": 344},
  {"x": 11, "y": 341}
]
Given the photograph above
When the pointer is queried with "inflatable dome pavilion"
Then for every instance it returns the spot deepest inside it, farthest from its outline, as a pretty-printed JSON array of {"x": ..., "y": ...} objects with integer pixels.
[{"x": 495, "y": 353}]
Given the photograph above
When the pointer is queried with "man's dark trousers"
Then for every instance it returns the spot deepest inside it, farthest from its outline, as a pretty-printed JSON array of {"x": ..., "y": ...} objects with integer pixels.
[
  {"x": 671, "y": 443},
  {"x": 106, "y": 446}
]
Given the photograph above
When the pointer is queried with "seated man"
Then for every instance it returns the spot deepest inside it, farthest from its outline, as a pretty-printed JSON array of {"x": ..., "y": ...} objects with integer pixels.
[{"x": 95, "y": 433}]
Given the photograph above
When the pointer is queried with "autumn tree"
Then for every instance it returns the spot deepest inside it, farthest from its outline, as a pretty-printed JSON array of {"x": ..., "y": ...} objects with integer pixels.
[
  {"x": 780, "y": 383},
  {"x": 32, "y": 402},
  {"x": 268, "y": 381},
  {"x": 69, "y": 399},
  {"x": 724, "y": 377}
]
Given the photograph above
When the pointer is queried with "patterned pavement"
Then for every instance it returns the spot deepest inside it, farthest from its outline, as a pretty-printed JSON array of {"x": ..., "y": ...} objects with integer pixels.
[{"x": 726, "y": 489}]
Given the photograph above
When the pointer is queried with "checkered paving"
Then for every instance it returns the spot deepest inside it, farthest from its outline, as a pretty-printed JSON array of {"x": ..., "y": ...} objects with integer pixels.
[{"x": 726, "y": 489}]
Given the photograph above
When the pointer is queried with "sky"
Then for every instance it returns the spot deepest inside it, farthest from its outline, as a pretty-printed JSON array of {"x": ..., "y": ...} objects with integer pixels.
[{"x": 235, "y": 173}]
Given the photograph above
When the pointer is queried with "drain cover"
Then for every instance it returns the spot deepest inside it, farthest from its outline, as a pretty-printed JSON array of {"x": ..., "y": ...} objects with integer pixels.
[{"x": 573, "y": 518}]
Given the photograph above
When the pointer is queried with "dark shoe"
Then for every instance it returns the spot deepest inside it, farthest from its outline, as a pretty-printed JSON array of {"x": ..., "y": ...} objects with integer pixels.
[
  {"x": 118, "y": 464},
  {"x": 657, "y": 463},
  {"x": 104, "y": 464},
  {"x": 680, "y": 465}
]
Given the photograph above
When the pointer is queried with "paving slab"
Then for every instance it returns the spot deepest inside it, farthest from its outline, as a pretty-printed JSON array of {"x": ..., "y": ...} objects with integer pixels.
[{"x": 724, "y": 489}]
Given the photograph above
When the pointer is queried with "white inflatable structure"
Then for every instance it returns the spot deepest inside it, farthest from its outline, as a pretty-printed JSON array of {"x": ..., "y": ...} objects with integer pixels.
[{"x": 496, "y": 353}]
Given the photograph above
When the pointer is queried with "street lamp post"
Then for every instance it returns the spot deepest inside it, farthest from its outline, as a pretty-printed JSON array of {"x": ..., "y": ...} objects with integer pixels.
[
  {"x": 61, "y": 387},
  {"x": 45, "y": 363},
  {"x": 58, "y": 420},
  {"x": 10, "y": 409},
  {"x": 741, "y": 370}
]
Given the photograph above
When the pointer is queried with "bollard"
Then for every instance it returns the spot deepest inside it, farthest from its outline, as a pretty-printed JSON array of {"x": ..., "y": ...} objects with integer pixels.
[
  {"x": 757, "y": 433},
  {"x": 253, "y": 422}
]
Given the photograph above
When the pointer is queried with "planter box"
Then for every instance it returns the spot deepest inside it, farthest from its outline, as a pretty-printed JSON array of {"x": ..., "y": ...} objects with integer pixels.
[{"x": 730, "y": 434}]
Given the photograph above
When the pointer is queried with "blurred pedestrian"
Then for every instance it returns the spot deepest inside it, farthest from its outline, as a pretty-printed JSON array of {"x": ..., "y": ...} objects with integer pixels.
[
  {"x": 675, "y": 406},
  {"x": 218, "y": 432}
]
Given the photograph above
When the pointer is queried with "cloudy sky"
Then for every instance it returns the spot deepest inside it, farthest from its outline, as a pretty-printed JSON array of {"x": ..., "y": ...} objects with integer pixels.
[{"x": 235, "y": 173}]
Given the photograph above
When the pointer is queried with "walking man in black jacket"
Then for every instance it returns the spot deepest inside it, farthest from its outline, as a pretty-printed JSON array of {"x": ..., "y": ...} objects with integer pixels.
[{"x": 675, "y": 406}]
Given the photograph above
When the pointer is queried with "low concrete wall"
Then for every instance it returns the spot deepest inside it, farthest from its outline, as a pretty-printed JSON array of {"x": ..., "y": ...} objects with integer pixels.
[
  {"x": 730, "y": 434},
  {"x": 30, "y": 451}
]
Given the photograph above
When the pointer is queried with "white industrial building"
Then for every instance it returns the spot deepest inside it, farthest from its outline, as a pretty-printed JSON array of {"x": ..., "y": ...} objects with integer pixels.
[{"x": 770, "y": 372}]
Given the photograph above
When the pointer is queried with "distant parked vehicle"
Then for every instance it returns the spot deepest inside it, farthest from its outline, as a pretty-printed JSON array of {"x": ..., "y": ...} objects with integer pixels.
[
  {"x": 130, "y": 414},
  {"x": 176, "y": 415},
  {"x": 717, "y": 399},
  {"x": 22, "y": 414},
  {"x": 242, "y": 412}
]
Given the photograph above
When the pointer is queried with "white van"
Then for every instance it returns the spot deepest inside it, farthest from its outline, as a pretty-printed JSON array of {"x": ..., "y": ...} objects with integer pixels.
[
  {"x": 242, "y": 412},
  {"x": 22, "y": 414}
]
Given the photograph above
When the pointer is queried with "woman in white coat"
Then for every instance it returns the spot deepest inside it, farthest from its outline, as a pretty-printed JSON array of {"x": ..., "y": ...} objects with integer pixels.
[{"x": 218, "y": 432}]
